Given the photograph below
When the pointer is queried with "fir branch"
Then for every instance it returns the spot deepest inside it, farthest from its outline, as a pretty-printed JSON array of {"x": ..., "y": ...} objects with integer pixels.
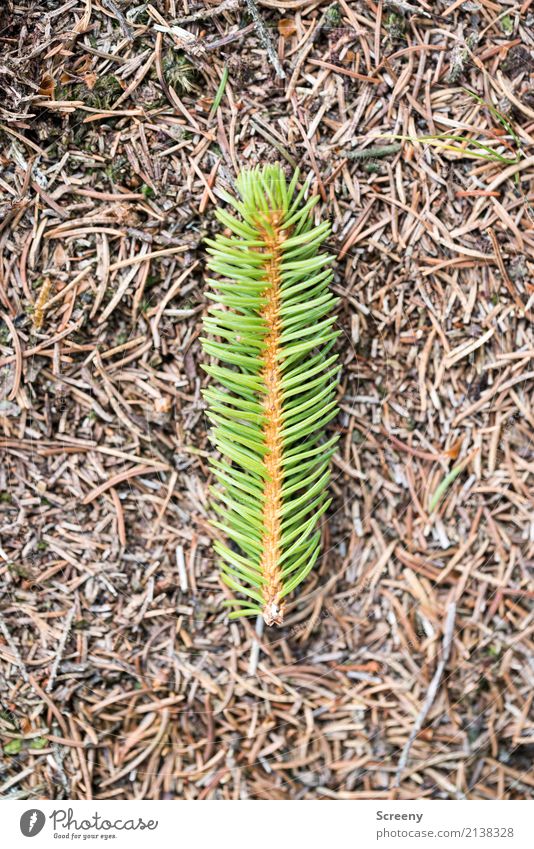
[{"x": 271, "y": 336}]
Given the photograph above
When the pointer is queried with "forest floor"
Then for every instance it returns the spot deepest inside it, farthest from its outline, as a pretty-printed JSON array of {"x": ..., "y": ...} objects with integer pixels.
[{"x": 405, "y": 667}]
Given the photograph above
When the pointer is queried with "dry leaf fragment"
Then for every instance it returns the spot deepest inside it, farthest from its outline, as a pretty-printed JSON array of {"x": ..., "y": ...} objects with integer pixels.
[
  {"x": 47, "y": 86},
  {"x": 286, "y": 27},
  {"x": 454, "y": 450},
  {"x": 163, "y": 404},
  {"x": 90, "y": 80}
]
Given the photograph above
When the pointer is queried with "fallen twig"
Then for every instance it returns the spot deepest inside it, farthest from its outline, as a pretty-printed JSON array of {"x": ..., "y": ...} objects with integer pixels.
[
  {"x": 374, "y": 152},
  {"x": 123, "y": 23},
  {"x": 60, "y": 649},
  {"x": 432, "y": 691},
  {"x": 255, "y": 647},
  {"x": 13, "y": 646},
  {"x": 202, "y": 14},
  {"x": 265, "y": 38}
]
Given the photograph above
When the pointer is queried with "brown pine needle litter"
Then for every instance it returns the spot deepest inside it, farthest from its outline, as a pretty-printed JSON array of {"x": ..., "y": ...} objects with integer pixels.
[{"x": 402, "y": 668}]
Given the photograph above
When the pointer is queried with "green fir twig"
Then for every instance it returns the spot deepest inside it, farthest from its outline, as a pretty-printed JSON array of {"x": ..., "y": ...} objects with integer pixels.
[{"x": 270, "y": 339}]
